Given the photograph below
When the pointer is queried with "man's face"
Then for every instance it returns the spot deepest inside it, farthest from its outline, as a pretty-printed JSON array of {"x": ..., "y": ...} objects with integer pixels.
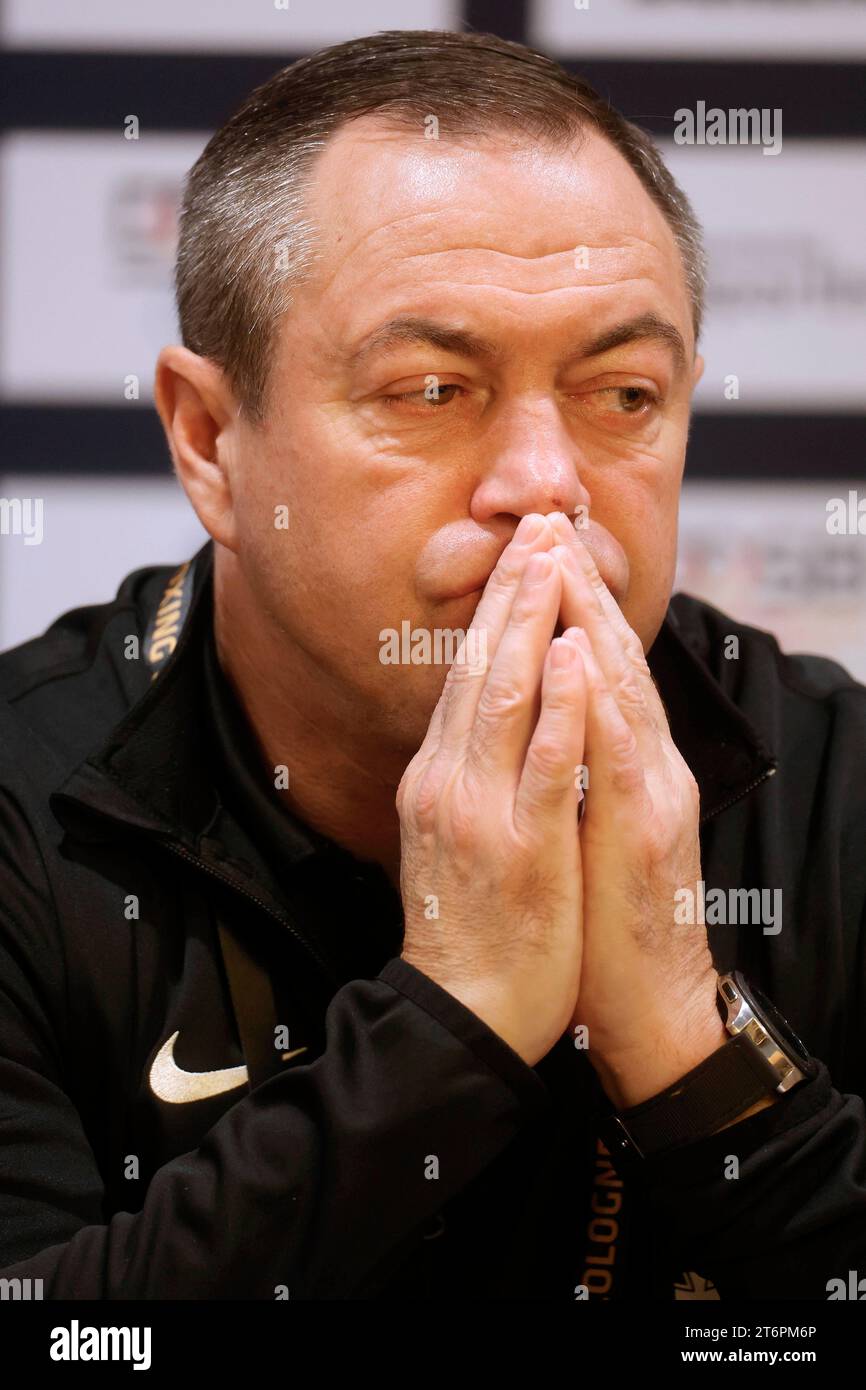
[{"x": 399, "y": 508}]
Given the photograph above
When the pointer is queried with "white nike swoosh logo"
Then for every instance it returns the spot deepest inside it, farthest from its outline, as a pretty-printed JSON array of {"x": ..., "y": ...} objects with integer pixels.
[{"x": 177, "y": 1087}]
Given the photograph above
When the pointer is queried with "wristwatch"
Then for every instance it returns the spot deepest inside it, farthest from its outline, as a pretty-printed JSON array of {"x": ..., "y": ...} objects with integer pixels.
[{"x": 763, "y": 1055}]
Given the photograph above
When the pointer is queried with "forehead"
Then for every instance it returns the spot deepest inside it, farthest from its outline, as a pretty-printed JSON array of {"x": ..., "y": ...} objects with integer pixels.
[{"x": 401, "y": 215}]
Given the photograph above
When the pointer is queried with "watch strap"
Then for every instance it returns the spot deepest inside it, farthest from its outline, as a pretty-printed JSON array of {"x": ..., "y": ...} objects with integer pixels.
[{"x": 721, "y": 1087}]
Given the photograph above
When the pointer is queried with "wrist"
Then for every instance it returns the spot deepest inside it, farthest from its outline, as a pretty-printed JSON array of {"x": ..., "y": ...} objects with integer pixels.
[
  {"x": 634, "y": 1074},
  {"x": 758, "y": 1057},
  {"x": 495, "y": 1005}
]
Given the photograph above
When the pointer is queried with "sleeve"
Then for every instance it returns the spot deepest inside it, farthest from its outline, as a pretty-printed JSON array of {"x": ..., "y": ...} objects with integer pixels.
[
  {"x": 787, "y": 1220},
  {"x": 320, "y": 1180}
]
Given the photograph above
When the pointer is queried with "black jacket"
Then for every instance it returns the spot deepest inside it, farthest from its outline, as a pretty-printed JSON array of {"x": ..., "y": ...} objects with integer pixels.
[{"x": 402, "y": 1149}]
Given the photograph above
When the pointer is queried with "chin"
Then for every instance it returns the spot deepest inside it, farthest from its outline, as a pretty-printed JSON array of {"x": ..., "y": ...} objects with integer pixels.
[{"x": 402, "y": 717}]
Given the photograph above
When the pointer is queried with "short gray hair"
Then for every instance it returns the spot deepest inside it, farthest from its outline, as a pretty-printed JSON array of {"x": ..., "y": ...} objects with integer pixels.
[{"x": 246, "y": 239}]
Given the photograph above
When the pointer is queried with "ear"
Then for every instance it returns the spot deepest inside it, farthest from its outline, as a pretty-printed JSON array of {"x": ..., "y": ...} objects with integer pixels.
[
  {"x": 698, "y": 370},
  {"x": 199, "y": 415}
]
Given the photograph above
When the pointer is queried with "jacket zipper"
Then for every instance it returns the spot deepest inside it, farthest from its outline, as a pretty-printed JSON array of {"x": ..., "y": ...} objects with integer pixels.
[
  {"x": 230, "y": 883},
  {"x": 184, "y": 853},
  {"x": 767, "y": 773}
]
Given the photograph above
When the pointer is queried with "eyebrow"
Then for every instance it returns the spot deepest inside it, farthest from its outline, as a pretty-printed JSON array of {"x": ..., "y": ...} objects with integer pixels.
[
  {"x": 408, "y": 328},
  {"x": 646, "y": 327}
]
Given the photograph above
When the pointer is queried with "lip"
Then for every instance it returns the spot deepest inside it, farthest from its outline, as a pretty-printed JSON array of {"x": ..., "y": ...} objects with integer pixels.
[
  {"x": 478, "y": 589},
  {"x": 605, "y": 550},
  {"x": 467, "y": 592}
]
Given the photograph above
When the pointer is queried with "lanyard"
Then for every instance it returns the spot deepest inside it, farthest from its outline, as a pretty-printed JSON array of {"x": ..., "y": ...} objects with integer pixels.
[
  {"x": 249, "y": 983},
  {"x": 605, "y": 1243},
  {"x": 167, "y": 619}
]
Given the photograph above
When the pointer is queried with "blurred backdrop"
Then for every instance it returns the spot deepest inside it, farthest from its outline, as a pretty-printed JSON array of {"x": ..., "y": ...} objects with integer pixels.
[{"x": 776, "y": 467}]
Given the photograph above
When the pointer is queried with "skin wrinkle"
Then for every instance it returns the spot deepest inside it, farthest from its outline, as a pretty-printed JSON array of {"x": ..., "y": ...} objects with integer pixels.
[
  {"x": 553, "y": 289},
  {"x": 532, "y": 260},
  {"x": 628, "y": 239}
]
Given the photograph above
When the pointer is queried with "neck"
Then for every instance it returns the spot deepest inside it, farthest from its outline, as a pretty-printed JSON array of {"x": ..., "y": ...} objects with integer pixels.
[{"x": 340, "y": 783}]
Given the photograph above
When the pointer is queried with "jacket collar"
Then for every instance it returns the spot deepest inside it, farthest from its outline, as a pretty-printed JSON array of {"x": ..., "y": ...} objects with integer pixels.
[
  {"x": 728, "y": 755},
  {"x": 151, "y": 772},
  {"x": 155, "y": 771}
]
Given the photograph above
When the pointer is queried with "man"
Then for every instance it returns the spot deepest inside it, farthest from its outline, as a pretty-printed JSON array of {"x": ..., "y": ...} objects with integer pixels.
[{"x": 313, "y": 986}]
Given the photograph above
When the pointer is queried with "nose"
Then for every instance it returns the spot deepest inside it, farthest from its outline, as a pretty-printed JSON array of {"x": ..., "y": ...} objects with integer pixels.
[{"x": 531, "y": 464}]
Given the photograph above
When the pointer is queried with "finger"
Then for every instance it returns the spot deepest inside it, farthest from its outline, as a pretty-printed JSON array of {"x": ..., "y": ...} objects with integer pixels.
[
  {"x": 617, "y": 778},
  {"x": 507, "y": 707},
  {"x": 588, "y": 603},
  {"x": 548, "y": 781},
  {"x": 460, "y": 694},
  {"x": 630, "y": 642},
  {"x": 569, "y": 536}
]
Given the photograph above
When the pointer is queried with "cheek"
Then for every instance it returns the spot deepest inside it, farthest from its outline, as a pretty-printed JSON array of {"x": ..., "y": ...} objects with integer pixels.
[
  {"x": 652, "y": 572},
  {"x": 642, "y": 515},
  {"x": 332, "y": 563}
]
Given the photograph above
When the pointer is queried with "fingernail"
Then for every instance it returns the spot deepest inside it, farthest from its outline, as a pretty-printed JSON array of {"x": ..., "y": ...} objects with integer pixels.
[
  {"x": 561, "y": 653},
  {"x": 580, "y": 637},
  {"x": 529, "y": 528}
]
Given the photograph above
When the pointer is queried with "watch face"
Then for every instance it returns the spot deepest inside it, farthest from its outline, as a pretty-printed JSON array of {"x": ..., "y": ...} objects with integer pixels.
[{"x": 777, "y": 1025}]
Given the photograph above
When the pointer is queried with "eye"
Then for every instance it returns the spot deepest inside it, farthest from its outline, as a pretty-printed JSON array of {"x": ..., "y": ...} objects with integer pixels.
[
  {"x": 431, "y": 398},
  {"x": 631, "y": 400}
]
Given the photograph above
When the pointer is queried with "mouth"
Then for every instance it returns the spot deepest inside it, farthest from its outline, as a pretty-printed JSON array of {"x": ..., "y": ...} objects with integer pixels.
[
  {"x": 476, "y": 591},
  {"x": 609, "y": 559}
]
